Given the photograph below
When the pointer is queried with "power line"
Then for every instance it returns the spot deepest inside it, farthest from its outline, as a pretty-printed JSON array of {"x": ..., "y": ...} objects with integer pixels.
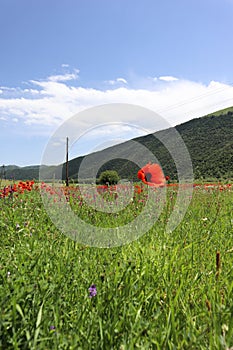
[{"x": 196, "y": 98}]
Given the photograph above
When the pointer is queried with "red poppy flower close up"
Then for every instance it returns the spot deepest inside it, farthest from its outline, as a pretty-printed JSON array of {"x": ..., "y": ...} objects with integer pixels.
[{"x": 152, "y": 175}]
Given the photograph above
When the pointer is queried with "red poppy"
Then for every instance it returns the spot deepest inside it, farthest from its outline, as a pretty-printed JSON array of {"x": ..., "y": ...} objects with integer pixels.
[
  {"x": 102, "y": 188},
  {"x": 138, "y": 189},
  {"x": 152, "y": 175}
]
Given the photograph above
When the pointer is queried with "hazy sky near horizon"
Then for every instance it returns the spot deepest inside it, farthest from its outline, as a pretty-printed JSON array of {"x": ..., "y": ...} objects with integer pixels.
[{"x": 59, "y": 58}]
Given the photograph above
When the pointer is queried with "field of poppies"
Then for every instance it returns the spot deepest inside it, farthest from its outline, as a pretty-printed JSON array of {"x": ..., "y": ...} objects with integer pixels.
[{"x": 162, "y": 291}]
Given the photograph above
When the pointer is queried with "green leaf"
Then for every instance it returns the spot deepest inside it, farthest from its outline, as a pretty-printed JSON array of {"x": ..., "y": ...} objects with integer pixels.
[{"x": 38, "y": 322}]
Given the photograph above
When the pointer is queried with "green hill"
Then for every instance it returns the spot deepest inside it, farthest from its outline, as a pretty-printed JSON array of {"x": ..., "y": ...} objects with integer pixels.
[
  {"x": 209, "y": 140},
  {"x": 210, "y": 143}
]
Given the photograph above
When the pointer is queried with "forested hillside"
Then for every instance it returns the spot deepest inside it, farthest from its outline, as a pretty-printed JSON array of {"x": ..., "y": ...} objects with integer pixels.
[{"x": 209, "y": 140}]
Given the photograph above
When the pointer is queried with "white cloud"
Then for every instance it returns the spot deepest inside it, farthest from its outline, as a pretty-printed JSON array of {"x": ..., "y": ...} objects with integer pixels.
[
  {"x": 168, "y": 78},
  {"x": 121, "y": 80},
  {"x": 64, "y": 77},
  {"x": 47, "y": 103},
  {"x": 117, "y": 81},
  {"x": 31, "y": 91}
]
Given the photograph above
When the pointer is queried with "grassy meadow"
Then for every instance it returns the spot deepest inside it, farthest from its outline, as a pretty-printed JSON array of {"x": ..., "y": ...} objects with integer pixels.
[{"x": 162, "y": 291}]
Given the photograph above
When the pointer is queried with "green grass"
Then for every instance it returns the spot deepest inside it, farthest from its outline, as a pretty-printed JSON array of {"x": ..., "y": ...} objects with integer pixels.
[
  {"x": 222, "y": 111},
  {"x": 162, "y": 291},
  {"x": 4, "y": 182}
]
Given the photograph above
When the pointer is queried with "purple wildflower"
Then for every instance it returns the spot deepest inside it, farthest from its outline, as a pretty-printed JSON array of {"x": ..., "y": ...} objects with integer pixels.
[
  {"x": 52, "y": 328},
  {"x": 92, "y": 291}
]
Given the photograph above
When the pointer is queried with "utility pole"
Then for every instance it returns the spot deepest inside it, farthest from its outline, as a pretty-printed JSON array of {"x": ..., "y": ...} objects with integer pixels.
[{"x": 67, "y": 160}]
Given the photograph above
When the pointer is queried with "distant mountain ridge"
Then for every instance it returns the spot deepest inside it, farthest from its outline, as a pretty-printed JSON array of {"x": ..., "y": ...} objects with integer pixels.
[{"x": 209, "y": 140}]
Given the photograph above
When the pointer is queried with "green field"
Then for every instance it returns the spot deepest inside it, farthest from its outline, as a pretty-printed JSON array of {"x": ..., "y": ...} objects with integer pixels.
[{"x": 162, "y": 291}]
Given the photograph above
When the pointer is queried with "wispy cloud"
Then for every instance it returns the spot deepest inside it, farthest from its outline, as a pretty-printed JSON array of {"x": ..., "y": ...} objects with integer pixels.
[
  {"x": 64, "y": 77},
  {"x": 168, "y": 78},
  {"x": 117, "y": 81},
  {"x": 122, "y": 80}
]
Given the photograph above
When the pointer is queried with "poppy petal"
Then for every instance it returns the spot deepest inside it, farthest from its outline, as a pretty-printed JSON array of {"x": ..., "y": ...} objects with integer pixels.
[{"x": 152, "y": 175}]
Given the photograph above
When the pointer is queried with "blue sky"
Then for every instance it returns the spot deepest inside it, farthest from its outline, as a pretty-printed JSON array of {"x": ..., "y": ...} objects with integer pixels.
[{"x": 60, "y": 57}]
